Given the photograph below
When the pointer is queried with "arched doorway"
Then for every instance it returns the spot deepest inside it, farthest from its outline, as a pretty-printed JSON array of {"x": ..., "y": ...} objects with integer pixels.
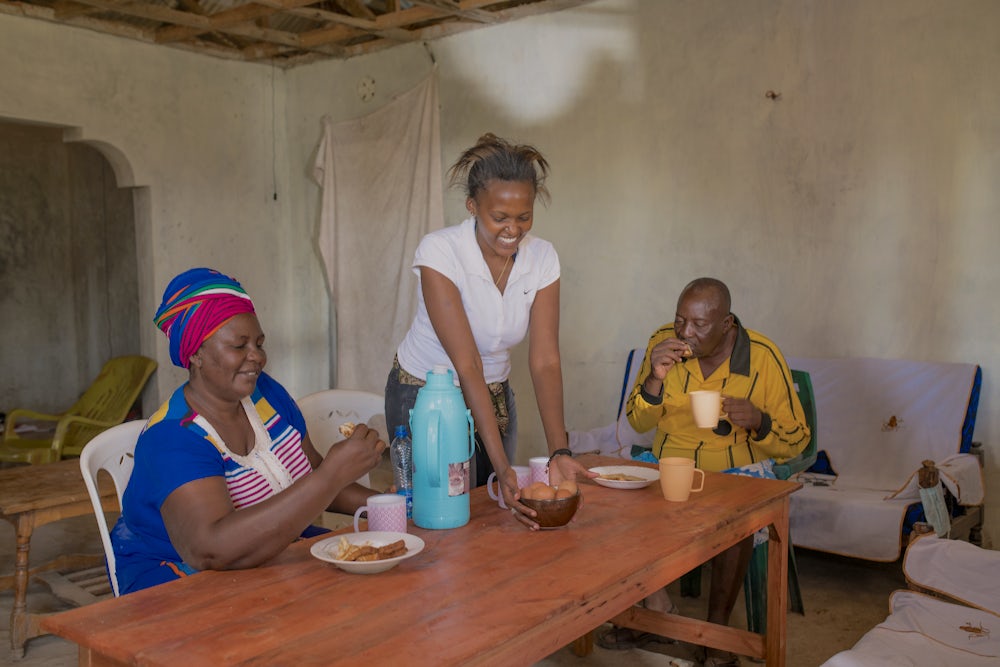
[{"x": 68, "y": 267}]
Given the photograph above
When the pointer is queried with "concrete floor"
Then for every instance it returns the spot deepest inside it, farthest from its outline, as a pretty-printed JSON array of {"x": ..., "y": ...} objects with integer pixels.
[{"x": 843, "y": 599}]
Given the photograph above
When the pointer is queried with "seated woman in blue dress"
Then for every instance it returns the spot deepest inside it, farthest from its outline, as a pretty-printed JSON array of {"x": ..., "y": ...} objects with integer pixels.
[{"x": 225, "y": 475}]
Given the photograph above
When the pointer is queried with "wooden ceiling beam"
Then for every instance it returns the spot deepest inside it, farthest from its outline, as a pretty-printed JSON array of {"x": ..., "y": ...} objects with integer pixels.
[
  {"x": 247, "y": 31},
  {"x": 63, "y": 11},
  {"x": 407, "y": 17},
  {"x": 357, "y": 9},
  {"x": 158, "y": 13},
  {"x": 192, "y": 6},
  {"x": 438, "y": 30},
  {"x": 358, "y": 26},
  {"x": 430, "y": 10},
  {"x": 221, "y": 21},
  {"x": 456, "y": 9},
  {"x": 204, "y": 24},
  {"x": 268, "y": 51}
]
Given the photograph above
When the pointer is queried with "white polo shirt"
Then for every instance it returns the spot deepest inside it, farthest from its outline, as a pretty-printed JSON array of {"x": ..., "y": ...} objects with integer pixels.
[{"x": 498, "y": 321}]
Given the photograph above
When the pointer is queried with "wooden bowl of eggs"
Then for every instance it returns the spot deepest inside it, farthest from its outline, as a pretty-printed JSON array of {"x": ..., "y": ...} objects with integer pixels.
[{"x": 555, "y": 505}]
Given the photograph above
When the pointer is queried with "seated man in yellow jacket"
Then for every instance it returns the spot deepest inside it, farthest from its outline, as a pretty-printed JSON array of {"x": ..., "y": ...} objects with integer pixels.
[{"x": 706, "y": 347}]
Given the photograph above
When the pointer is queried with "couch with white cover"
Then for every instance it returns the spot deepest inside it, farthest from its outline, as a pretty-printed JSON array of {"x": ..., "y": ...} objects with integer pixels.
[{"x": 877, "y": 421}]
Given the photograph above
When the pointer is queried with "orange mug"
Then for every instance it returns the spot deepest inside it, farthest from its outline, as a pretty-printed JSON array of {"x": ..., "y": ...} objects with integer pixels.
[{"x": 677, "y": 475}]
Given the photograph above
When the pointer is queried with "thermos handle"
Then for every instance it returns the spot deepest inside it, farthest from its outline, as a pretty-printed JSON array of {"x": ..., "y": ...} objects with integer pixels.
[
  {"x": 472, "y": 435},
  {"x": 433, "y": 448}
]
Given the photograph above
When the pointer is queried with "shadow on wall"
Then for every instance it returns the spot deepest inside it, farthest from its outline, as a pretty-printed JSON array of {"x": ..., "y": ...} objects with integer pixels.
[{"x": 601, "y": 73}]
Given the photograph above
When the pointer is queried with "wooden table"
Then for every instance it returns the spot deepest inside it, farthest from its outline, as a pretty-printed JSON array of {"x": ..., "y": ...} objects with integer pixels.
[
  {"x": 488, "y": 593},
  {"x": 32, "y": 496}
]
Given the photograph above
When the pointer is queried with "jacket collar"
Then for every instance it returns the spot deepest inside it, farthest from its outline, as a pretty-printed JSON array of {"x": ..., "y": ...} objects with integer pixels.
[{"x": 739, "y": 359}]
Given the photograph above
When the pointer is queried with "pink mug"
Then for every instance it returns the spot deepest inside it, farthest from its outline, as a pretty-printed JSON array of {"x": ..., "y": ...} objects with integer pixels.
[
  {"x": 386, "y": 511},
  {"x": 523, "y": 480},
  {"x": 539, "y": 469}
]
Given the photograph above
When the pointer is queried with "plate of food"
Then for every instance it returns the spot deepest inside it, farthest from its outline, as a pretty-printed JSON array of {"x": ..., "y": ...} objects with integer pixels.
[
  {"x": 625, "y": 477},
  {"x": 367, "y": 552}
]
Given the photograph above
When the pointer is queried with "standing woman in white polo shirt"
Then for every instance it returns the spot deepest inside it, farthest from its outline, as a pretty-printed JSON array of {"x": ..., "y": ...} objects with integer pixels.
[{"x": 484, "y": 285}]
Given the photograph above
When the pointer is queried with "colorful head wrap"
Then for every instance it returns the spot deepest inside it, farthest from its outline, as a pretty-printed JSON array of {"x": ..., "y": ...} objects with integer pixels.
[{"x": 195, "y": 305}]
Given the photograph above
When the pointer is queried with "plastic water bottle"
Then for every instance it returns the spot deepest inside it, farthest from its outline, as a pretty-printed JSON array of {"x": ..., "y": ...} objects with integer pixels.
[{"x": 401, "y": 455}]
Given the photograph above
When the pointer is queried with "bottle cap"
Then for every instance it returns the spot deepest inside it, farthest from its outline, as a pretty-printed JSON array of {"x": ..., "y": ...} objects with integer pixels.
[
  {"x": 401, "y": 431},
  {"x": 439, "y": 369}
]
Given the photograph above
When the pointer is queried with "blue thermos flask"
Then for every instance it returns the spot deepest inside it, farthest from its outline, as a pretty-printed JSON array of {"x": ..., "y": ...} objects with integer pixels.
[{"x": 443, "y": 446}]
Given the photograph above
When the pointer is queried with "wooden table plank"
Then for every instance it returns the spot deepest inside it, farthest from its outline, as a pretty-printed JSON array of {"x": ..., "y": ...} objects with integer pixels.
[
  {"x": 490, "y": 592},
  {"x": 32, "y": 496},
  {"x": 31, "y": 488}
]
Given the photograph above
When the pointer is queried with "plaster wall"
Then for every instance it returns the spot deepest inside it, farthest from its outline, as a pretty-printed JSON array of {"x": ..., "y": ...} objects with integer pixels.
[
  {"x": 199, "y": 140},
  {"x": 852, "y": 214}
]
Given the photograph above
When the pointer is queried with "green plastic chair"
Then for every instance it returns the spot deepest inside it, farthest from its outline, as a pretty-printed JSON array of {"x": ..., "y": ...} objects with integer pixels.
[
  {"x": 804, "y": 388},
  {"x": 104, "y": 404},
  {"x": 755, "y": 583}
]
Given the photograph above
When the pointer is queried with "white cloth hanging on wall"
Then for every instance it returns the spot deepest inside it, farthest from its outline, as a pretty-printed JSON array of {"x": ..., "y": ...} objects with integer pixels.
[{"x": 381, "y": 180}]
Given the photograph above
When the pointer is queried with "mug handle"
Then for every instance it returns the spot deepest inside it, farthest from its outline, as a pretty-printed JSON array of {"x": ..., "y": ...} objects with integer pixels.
[
  {"x": 498, "y": 496},
  {"x": 357, "y": 515},
  {"x": 701, "y": 485}
]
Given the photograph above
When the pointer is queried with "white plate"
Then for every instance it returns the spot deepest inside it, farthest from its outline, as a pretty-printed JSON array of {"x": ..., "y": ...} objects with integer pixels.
[
  {"x": 649, "y": 476},
  {"x": 327, "y": 550}
]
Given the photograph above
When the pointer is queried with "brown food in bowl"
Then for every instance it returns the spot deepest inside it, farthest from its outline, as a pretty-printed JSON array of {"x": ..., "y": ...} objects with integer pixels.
[
  {"x": 567, "y": 485},
  {"x": 556, "y": 512},
  {"x": 538, "y": 491}
]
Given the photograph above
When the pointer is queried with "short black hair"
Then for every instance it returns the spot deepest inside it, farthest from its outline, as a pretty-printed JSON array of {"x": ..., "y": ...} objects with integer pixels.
[{"x": 496, "y": 159}]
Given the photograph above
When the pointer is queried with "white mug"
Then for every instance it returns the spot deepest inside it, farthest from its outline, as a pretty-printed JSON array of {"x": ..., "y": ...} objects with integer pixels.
[
  {"x": 707, "y": 408},
  {"x": 386, "y": 511},
  {"x": 523, "y": 480},
  {"x": 539, "y": 469}
]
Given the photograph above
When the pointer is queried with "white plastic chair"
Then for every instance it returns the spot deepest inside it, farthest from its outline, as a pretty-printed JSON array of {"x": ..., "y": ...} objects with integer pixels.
[
  {"x": 112, "y": 450},
  {"x": 326, "y": 410}
]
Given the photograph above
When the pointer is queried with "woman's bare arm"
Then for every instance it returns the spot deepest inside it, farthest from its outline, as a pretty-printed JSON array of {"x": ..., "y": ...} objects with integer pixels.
[{"x": 209, "y": 534}]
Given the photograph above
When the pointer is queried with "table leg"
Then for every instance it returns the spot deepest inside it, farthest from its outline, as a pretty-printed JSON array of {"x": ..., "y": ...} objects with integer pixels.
[
  {"x": 25, "y": 526},
  {"x": 89, "y": 658},
  {"x": 777, "y": 589},
  {"x": 583, "y": 645}
]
